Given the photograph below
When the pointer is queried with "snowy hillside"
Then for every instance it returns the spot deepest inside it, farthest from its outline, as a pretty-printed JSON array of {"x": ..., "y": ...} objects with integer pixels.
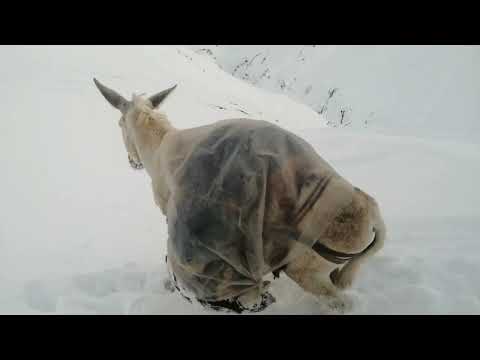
[
  {"x": 422, "y": 91},
  {"x": 79, "y": 231}
]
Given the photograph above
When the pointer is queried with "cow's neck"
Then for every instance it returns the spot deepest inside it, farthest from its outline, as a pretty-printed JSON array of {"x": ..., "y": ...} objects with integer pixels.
[{"x": 148, "y": 140}]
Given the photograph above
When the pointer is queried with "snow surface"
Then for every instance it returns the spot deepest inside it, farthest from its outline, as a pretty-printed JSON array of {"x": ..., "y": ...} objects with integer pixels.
[
  {"x": 421, "y": 90},
  {"x": 79, "y": 231}
]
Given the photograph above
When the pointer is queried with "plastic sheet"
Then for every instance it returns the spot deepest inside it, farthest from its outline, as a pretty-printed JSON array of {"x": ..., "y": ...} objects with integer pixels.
[{"x": 241, "y": 192}]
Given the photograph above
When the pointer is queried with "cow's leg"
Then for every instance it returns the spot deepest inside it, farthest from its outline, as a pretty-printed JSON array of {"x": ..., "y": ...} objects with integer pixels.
[
  {"x": 343, "y": 278},
  {"x": 254, "y": 297},
  {"x": 311, "y": 272}
]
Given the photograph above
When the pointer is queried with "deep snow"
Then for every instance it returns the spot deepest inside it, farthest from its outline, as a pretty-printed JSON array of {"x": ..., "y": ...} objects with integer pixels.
[{"x": 80, "y": 232}]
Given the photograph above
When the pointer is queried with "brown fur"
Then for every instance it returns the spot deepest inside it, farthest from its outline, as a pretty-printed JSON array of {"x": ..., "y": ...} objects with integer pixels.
[{"x": 347, "y": 230}]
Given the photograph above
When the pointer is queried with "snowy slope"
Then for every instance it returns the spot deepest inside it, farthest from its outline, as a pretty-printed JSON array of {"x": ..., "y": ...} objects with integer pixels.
[
  {"x": 410, "y": 90},
  {"x": 80, "y": 232}
]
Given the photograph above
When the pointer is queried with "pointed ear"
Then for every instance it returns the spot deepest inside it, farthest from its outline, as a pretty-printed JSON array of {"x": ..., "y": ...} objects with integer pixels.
[
  {"x": 114, "y": 98},
  {"x": 157, "y": 99}
]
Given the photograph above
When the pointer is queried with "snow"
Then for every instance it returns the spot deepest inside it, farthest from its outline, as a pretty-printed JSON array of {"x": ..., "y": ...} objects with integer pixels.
[
  {"x": 80, "y": 233},
  {"x": 427, "y": 91}
]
